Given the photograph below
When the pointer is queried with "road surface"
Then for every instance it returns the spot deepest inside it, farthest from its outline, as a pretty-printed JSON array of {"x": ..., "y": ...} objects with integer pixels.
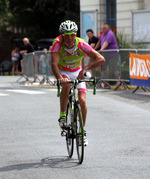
[{"x": 118, "y": 130}]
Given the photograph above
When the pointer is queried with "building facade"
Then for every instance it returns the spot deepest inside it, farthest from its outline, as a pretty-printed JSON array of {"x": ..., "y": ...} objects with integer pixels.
[{"x": 117, "y": 13}]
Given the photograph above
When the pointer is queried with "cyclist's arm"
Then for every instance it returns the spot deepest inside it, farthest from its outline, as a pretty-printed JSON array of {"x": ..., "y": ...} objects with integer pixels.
[
  {"x": 54, "y": 64},
  {"x": 98, "y": 60}
]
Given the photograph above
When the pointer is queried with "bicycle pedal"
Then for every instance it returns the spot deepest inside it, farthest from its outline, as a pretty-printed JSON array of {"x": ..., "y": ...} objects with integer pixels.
[{"x": 63, "y": 133}]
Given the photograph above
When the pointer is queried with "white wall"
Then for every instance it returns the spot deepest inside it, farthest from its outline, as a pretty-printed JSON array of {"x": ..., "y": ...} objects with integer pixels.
[
  {"x": 124, "y": 13},
  {"x": 102, "y": 14},
  {"x": 124, "y": 16},
  {"x": 100, "y": 5},
  {"x": 146, "y": 4}
]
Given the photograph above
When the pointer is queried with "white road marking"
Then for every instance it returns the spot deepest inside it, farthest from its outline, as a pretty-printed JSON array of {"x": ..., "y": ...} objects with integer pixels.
[
  {"x": 2, "y": 94},
  {"x": 27, "y": 91}
]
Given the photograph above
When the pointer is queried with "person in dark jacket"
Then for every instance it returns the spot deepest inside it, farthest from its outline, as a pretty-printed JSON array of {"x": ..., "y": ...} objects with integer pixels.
[
  {"x": 93, "y": 40},
  {"x": 27, "y": 49}
]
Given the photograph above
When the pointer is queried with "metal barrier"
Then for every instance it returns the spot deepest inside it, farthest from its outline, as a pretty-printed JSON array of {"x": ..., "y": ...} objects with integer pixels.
[
  {"x": 143, "y": 51},
  {"x": 114, "y": 72},
  {"x": 43, "y": 66},
  {"x": 28, "y": 67},
  {"x": 110, "y": 70},
  {"x": 124, "y": 68},
  {"x": 37, "y": 65}
]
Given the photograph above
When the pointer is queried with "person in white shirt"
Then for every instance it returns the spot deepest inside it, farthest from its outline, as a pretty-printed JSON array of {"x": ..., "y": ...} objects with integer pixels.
[{"x": 15, "y": 59}]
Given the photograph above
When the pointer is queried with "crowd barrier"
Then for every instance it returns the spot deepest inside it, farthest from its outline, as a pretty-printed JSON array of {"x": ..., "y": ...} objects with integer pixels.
[
  {"x": 114, "y": 72},
  {"x": 37, "y": 65}
]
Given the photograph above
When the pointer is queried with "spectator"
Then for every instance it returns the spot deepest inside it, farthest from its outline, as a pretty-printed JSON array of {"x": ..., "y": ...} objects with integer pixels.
[
  {"x": 15, "y": 59},
  {"x": 108, "y": 41},
  {"x": 50, "y": 48},
  {"x": 93, "y": 40},
  {"x": 42, "y": 62},
  {"x": 28, "y": 49}
]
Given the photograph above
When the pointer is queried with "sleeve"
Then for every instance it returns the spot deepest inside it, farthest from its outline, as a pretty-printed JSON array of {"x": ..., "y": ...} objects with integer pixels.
[
  {"x": 86, "y": 48},
  {"x": 96, "y": 40},
  {"x": 29, "y": 48},
  {"x": 56, "y": 47},
  {"x": 109, "y": 37}
]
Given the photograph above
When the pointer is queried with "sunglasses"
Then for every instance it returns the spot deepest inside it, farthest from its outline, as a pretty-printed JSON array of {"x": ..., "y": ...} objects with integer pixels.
[{"x": 71, "y": 35}]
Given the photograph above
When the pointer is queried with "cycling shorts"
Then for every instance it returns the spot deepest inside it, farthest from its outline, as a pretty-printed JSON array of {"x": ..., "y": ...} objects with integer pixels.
[{"x": 74, "y": 75}]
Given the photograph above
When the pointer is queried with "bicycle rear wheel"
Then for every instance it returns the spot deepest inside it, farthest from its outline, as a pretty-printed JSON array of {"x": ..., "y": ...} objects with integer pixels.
[
  {"x": 79, "y": 134},
  {"x": 70, "y": 131}
]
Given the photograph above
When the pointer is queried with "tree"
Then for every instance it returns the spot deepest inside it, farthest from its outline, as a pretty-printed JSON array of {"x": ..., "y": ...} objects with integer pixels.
[
  {"x": 4, "y": 4},
  {"x": 4, "y": 13},
  {"x": 41, "y": 18}
]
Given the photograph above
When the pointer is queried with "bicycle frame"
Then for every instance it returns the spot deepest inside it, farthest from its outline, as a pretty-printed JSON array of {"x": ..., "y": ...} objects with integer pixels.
[
  {"x": 74, "y": 119},
  {"x": 75, "y": 82}
]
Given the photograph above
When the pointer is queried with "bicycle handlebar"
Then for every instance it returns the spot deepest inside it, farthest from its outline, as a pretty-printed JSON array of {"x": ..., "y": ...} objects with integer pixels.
[{"x": 76, "y": 81}]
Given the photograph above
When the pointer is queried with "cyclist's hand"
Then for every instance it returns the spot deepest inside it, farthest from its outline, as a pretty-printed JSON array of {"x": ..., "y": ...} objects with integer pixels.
[
  {"x": 64, "y": 80},
  {"x": 81, "y": 74}
]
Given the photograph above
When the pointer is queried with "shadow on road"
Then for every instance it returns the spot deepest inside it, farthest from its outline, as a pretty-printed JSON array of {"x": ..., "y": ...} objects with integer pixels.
[
  {"x": 49, "y": 162},
  {"x": 140, "y": 95}
]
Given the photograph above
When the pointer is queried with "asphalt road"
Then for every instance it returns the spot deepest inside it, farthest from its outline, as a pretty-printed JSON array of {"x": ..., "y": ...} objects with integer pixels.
[{"x": 118, "y": 129}]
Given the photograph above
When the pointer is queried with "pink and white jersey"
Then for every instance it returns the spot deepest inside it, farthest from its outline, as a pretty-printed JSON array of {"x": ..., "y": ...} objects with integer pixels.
[{"x": 70, "y": 59}]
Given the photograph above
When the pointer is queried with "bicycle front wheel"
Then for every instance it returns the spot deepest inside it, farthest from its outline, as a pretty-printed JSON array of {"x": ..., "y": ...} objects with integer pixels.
[
  {"x": 79, "y": 135},
  {"x": 70, "y": 132}
]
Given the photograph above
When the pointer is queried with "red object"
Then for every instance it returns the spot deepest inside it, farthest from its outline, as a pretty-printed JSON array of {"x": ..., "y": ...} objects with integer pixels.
[
  {"x": 100, "y": 34},
  {"x": 114, "y": 31}
]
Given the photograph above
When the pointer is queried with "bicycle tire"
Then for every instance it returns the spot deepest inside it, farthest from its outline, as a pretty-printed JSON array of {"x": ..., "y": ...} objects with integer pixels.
[
  {"x": 70, "y": 131},
  {"x": 79, "y": 134}
]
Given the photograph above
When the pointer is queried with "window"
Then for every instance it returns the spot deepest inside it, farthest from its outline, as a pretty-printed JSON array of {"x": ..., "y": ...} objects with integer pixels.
[{"x": 111, "y": 14}]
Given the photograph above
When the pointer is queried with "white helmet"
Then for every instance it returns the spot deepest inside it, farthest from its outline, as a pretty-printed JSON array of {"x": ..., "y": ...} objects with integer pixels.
[{"x": 68, "y": 26}]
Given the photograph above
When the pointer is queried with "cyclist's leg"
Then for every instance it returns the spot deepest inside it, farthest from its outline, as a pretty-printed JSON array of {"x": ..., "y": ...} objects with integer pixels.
[
  {"x": 81, "y": 90},
  {"x": 64, "y": 96},
  {"x": 82, "y": 100}
]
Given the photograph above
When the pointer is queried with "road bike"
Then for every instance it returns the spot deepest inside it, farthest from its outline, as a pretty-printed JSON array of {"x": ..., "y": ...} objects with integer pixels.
[{"x": 74, "y": 128}]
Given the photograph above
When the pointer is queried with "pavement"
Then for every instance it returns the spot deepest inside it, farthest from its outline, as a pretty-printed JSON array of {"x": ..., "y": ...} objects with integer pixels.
[
  {"x": 9, "y": 81},
  {"x": 18, "y": 82},
  {"x": 32, "y": 148}
]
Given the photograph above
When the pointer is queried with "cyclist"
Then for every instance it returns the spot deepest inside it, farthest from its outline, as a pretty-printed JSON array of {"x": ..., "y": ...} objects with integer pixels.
[{"x": 67, "y": 54}]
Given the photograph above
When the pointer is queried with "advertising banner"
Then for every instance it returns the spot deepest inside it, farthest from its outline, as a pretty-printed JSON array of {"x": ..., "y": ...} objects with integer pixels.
[{"x": 139, "y": 70}]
